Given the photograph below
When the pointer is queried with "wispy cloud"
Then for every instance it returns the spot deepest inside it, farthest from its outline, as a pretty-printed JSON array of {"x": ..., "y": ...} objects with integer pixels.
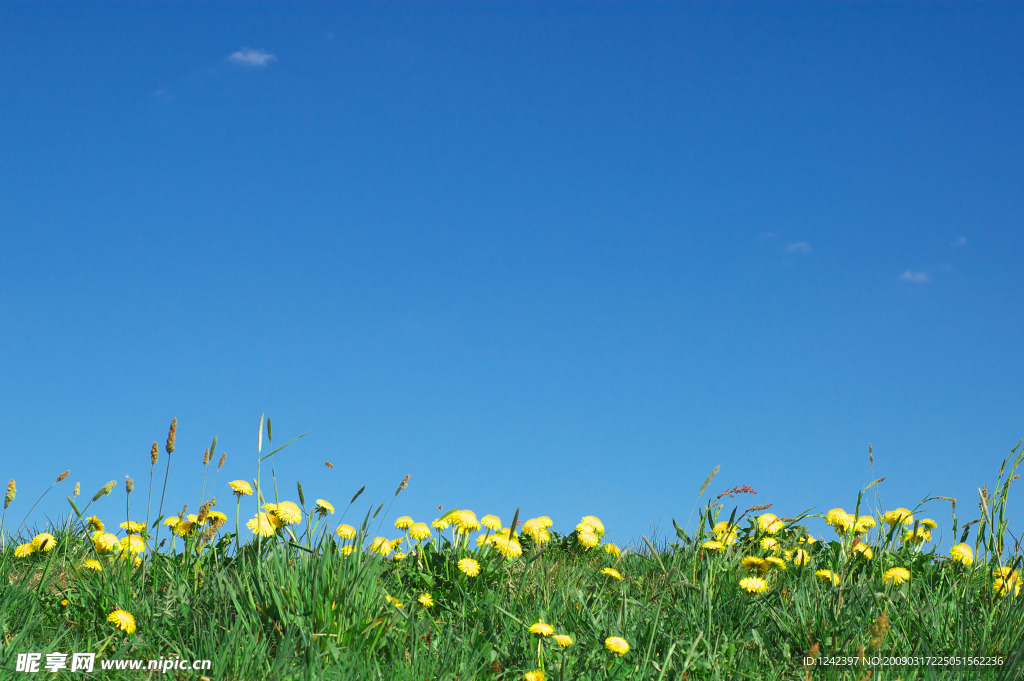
[
  {"x": 249, "y": 57},
  {"x": 799, "y": 247},
  {"x": 959, "y": 242},
  {"x": 915, "y": 277}
]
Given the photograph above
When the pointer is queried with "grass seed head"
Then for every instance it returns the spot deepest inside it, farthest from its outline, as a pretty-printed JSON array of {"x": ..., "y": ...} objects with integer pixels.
[
  {"x": 63, "y": 475},
  {"x": 78, "y": 488},
  {"x": 154, "y": 454},
  {"x": 223, "y": 458},
  {"x": 105, "y": 490},
  {"x": 405, "y": 483},
  {"x": 129, "y": 484},
  {"x": 206, "y": 457},
  {"x": 11, "y": 492},
  {"x": 170, "y": 435}
]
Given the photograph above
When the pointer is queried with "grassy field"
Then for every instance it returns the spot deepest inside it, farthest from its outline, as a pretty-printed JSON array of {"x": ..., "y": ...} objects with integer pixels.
[{"x": 295, "y": 591}]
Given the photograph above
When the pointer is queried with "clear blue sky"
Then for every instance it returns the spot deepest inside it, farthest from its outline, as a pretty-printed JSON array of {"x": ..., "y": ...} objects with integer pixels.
[{"x": 566, "y": 257}]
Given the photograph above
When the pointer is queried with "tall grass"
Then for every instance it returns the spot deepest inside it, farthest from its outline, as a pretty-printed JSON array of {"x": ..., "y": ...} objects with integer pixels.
[{"x": 738, "y": 594}]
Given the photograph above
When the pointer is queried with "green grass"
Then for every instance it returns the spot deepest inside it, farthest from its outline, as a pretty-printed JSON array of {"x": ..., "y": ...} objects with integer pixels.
[{"x": 305, "y": 603}]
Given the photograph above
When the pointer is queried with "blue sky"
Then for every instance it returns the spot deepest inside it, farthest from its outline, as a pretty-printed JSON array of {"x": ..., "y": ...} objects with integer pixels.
[{"x": 565, "y": 257}]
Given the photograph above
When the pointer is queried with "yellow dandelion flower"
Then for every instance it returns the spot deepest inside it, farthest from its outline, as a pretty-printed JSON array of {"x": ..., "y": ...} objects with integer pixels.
[
  {"x": 491, "y": 522},
  {"x": 613, "y": 550},
  {"x": 713, "y": 546},
  {"x": 24, "y": 550},
  {"x": 896, "y": 575},
  {"x": 840, "y": 520},
  {"x": 133, "y": 543},
  {"x": 94, "y": 523},
  {"x": 770, "y": 544},
  {"x": 172, "y": 521},
  {"x": 403, "y": 523},
  {"x": 918, "y": 536},
  {"x": 123, "y": 620},
  {"x": 323, "y": 507},
  {"x": 346, "y": 531},
  {"x": 593, "y": 522},
  {"x": 929, "y": 523},
  {"x": 186, "y": 527},
  {"x": 563, "y": 640},
  {"x": 541, "y": 628},
  {"x": 535, "y": 675},
  {"x": 465, "y": 522},
  {"x": 93, "y": 565},
  {"x": 44, "y": 542},
  {"x": 105, "y": 542},
  {"x": 962, "y": 553},
  {"x": 419, "y": 531},
  {"x": 262, "y": 525},
  {"x": 289, "y": 512},
  {"x": 347, "y": 550},
  {"x": 863, "y": 551},
  {"x": 611, "y": 572},
  {"x": 587, "y": 538},
  {"x": 616, "y": 645},
  {"x": 774, "y": 562},
  {"x": 827, "y": 576},
  {"x": 753, "y": 563},
  {"x": 899, "y": 516},
  {"x": 394, "y": 601},
  {"x": 863, "y": 524},
  {"x": 469, "y": 567},
  {"x": 426, "y": 600},
  {"x": 1005, "y": 571},
  {"x": 240, "y": 487},
  {"x": 216, "y": 518},
  {"x": 398, "y": 555},
  {"x": 753, "y": 585},
  {"x": 1002, "y": 586},
  {"x": 441, "y": 523},
  {"x": 798, "y": 556},
  {"x": 133, "y": 527},
  {"x": 381, "y": 545},
  {"x": 510, "y": 548}
]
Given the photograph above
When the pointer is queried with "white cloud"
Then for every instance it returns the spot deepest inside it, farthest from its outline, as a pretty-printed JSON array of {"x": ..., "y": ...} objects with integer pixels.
[
  {"x": 915, "y": 277},
  {"x": 959, "y": 242},
  {"x": 799, "y": 247},
  {"x": 250, "y": 57}
]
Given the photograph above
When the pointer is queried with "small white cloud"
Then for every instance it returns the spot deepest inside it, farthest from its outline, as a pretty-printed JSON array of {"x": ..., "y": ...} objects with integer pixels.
[
  {"x": 799, "y": 247},
  {"x": 250, "y": 57},
  {"x": 768, "y": 235},
  {"x": 959, "y": 242},
  {"x": 915, "y": 277}
]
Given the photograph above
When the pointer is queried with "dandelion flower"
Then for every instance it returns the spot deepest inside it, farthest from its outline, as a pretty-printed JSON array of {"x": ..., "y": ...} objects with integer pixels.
[
  {"x": 774, "y": 562},
  {"x": 92, "y": 564},
  {"x": 123, "y": 620},
  {"x": 753, "y": 585},
  {"x": 44, "y": 542},
  {"x": 465, "y": 522},
  {"x": 896, "y": 575},
  {"x": 616, "y": 645},
  {"x": 262, "y": 525},
  {"x": 769, "y": 523},
  {"x": 134, "y": 544},
  {"x": 1002, "y": 586},
  {"x": 105, "y": 542},
  {"x": 510, "y": 548},
  {"x": 133, "y": 527},
  {"x": 94, "y": 522},
  {"x": 469, "y": 567},
  {"x": 345, "y": 531},
  {"x": 535, "y": 675},
  {"x": 24, "y": 550},
  {"x": 962, "y": 554},
  {"x": 324, "y": 507},
  {"x": 289, "y": 512},
  {"x": 613, "y": 550},
  {"x": 240, "y": 487},
  {"x": 541, "y": 628},
  {"x": 587, "y": 538},
  {"x": 863, "y": 524},
  {"x": 187, "y": 527},
  {"x": 491, "y": 522},
  {"x": 347, "y": 550},
  {"x": 403, "y": 523},
  {"x": 840, "y": 520},
  {"x": 172, "y": 521},
  {"x": 770, "y": 544},
  {"x": 563, "y": 640},
  {"x": 713, "y": 545},
  {"x": 753, "y": 563},
  {"x": 798, "y": 556},
  {"x": 419, "y": 531},
  {"x": 394, "y": 601},
  {"x": 612, "y": 572},
  {"x": 216, "y": 518},
  {"x": 1005, "y": 571},
  {"x": 827, "y": 576},
  {"x": 597, "y": 527},
  {"x": 426, "y": 600},
  {"x": 918, "y": 536},
  {"x": 441, "y": 523},
  {"x": 929, "y": 523},
  {"x": 381, "y": 545},
  {"x": 863, "y": 551},
  {"x": 899, "y": 516}
]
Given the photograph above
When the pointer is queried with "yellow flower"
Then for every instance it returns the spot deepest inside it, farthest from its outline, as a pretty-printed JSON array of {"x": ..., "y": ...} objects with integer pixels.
[
  {"x": 929, "y": 523},
  {"x": 921, "y": 534},
  {"x": 587, "y": 538},
  {"x": 263, "y": 525},
  {"x": 133, "y": 527},
  {"x": 563, "y": 640},
  {"x": 403, "y": 523},
  {"x": 1001, "y": 586},
  {"x": 441, "y": 523},
  {"x": 962, "y": 554},
  {"x": 216, "y": 518},
  {"x": 465, "y": 522},
  {"x": 612, "y": 572},
  {"x": 541, "y": 628},
  {"x": 186, "y": 527},
  {"x": 827, "y": 576},
  {"x": 898, "y": 516},
  {"x": 44, "y": 542},
  {"x": 345, "y": 531},
  {"x": 612, "y": 549},
  {"x": 24, "y": 550},
  {"x": 172, "y": 521},
  {"x": 240, "y": 487},
  {"x": 491, "y": 522},
  {"x": 324, "y": 507},
  {"x": 753, "y": 585},
  {"x": 122, "y": 620},
  {"x": 534, "y": 527},
  {"x": 94, "y": 522},
  {"x": 394, "y": 601},
  {"x": 510, "y": 548},
  {"x": 398, "y": 555},
  {"x": 92, "y": 564},
  {"x": 753, "y": 563},
  {"x": 840, "y": 520},
  {"x": 347, "y": 550},
  {"x": 798, "y": 556},
  {"x": 381, "y": 546},
  {"x": 419, "y": 531},
  {"x": 770, "y": 544},
  {"x": 712, "y": 546},
  {"x": 289, "y": 512},
  {"x": 469, "y": 567},
  {"x": 775, "y": 562},
  {"x": 425, "y": 600},
  {"x": 863, "y": 551},
  {"x": 133, "y": 544},
  {"x": 595, "y": 525},
  {"x": 616, "y": 645},
  {"x": 896, "y": 575},
  {"x": 105, "y": 542},
  {"x": 535, "y": 675},
  {"x": 769, "y": 523},
  {"x": 1005, "y": 571},
  {"x": 863, "y": 524}
]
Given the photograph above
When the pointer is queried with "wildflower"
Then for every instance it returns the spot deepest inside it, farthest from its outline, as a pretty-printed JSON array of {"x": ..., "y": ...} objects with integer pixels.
[
  {"x": 774, "y": 562},
  {"x": 928, "y": 522},
  {"x": 465, "y": 522},
  {"x": 798, "y": 556},
  {"x": 840, "y": 520},
  {"x": 133, "y": 527},
  {"x": 535, "y": 675},
  {"x": 962, "y": 554},
  {"x": 899, "y": 516},
  {"x": 381, "y": 546},
  {"x": 1007, "y": 572},
  {"x": 288, "y": 512},
  {"x": 541, "y": 628},
  {"x": 324, "y": 507},
  {"x": 587, "y": 538},
  {"x": 541, "y": 536},
  {"x": 563, "y": 640},
  {"x": 394, "y": 601},
  {"x": 616, "y": 645},
  {"x": 426, "y": 600},
  {"x": 769, "y": 523},
  {"x": 172, "y": 521},
  {"x": 122, "y": 620},
  {"x": 712, "y": 546},
  {"x": 725, "y": 533},
  {"x": 863, "y": 524},
  {"x": 240, "y": 487},
  {"x": 753, "y": 563},
  {"x": 510, "y": 548},
  {"x": 105, "y": 542},
  {"x": 753, "y": 585},
  {"x": 595, "y": 525},
  {"x": 94, "y": 523},
  {"x": 187, "y": 527},
  {"x": 863, "y": 551},
  {"x": 469, "y": 567},
  {"x": 347, "y": 550},
  {"x": 534, "y": 527},
  {"x": 441, "y": 523},
  {"x": 896, "y": 575},
  {"x": 44, "y": 542},
  {"x": 491, "y": 522},
  {"x": 404, "y": 523},
  {"x": 263, "y": 525},
  {"x": 92, "y": 564},
  {"x": 613, "y": 550},
  {"x": 1002, "y": 586},
  {"x": 216, "y": 519},
  {"x": 419, "y": 531},
  {"x": 827, "y": 576},
  {"x": 918, "y": 536},
  {"x": 24, "y": 550},
  {"x": 345, "y": 531},
  {"x": 398, "y": 555},
  {"x": 133, "y": 543},
  {"x": 770, "y": 544},
  {"x": 612, "y": 572}
]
